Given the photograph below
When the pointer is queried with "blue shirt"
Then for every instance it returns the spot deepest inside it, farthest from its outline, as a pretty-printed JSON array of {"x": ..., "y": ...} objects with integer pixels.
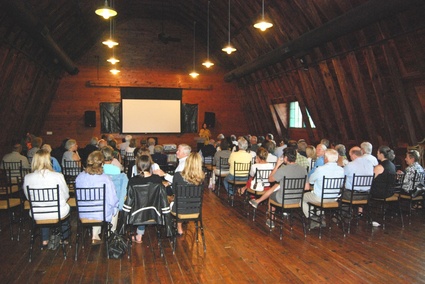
[
  {"x": 329, "y": 170},
  {"x": 319, "y": 162},
  {"x": 361, "y": 167},
  {"x": 55, "y": 165}
]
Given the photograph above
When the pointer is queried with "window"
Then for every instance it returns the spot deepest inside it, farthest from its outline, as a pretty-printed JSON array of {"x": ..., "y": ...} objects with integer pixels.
[{"x": 296, "y": 117}]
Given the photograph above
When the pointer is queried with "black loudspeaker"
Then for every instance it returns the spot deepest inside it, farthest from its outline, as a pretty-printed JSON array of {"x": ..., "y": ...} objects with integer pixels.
[
  {"x": 210, "y": 119},
  {"x": 90, "y": 118}
]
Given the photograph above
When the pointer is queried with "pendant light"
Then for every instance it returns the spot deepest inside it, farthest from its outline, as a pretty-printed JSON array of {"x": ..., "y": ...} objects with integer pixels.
[
  {"x": 110, "y": 42},
  {"x": 114, "y": 71},
  {"x": 112, "y": 59},
  {"x": 105, "y": 11},
  {"x": 207, "y": 62},
  {"x": 229, "y": 49},
  {"x": 194, "y": 74},
  {"x": 263, "y": 25}
]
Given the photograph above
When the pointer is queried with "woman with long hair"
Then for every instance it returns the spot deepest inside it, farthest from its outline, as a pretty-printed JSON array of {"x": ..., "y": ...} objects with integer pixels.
[
  {"x": 384, "y": 173},
  {"x": 43, "y": 176},
  {"x": 192, "y": 174}
]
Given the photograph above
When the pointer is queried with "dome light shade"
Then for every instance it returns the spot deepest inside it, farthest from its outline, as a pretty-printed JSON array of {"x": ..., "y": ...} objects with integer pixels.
[
  {"x": 208, "y": 64},
  {"x": 110, "y": 43},
  {"x": 112, "y": 60},
  {"x": 114, "y": 71},
  {"x": 263, "y": 24},
  {"x": 229, "y": 49},
  {"x": 194, "y": 74},
  {"x": 105, "y": 11}
]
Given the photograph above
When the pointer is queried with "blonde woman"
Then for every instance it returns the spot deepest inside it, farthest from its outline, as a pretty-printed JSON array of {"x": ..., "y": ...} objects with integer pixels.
[
  {"x": 310, "y": 150},
  {"x": 192, "y": 174},
  {"x": 43, "y": 176}
]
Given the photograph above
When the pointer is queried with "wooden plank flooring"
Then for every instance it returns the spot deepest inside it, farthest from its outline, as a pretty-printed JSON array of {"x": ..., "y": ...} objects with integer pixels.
[{"x": 238, "y": 251}]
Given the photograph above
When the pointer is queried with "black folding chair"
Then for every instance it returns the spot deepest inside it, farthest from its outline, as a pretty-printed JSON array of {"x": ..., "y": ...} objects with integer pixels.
[
  {"x": 8, "y": 202},
  {"x": 260, "y": 177}
]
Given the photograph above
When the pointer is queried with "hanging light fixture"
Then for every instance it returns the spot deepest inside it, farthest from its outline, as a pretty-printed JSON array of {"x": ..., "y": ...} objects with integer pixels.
[
  {"x": 207, "y": 62},
  {"x": 110, "y": 42},
  {"x": 194, "y": 74},
  {"x": 229, "y": 49},
  {"x": 114, "y": 71},
  {"x": 112, "y": 59},
  {"x": 263, "y": 25},
  {"x": 105, "y": 11}
]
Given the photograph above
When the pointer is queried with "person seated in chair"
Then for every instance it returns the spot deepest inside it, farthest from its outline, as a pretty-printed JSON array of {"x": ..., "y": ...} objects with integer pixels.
[
  {"x": 144, "y": 177},
  {"x": 381, "y": 187},
  {"x": 192, "y": 174},
  {"x": 413, "y": 168},
  {"x": 43, "y": 176},
  {"x": 93, "y": 176},
  {"x": 158, "y": 156}
]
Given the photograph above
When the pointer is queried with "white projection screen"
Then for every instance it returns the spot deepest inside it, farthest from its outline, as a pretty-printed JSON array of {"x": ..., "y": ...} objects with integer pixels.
[{"x": 151, "y": 110}]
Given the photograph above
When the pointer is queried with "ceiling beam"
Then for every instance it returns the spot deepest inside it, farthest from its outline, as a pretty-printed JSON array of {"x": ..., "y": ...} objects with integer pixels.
[{"x": 355, "y": 19}]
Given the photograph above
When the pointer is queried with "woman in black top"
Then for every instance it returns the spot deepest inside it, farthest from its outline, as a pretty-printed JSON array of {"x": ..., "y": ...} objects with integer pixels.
[
  {"x": 383, "y": 183},
  {"x": 145, "y": 176}
]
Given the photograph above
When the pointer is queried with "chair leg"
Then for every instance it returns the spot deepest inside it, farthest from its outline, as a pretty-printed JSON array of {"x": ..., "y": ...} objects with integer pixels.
[
  {"x": 31, "y": 243},
  {"x": 203, "y": 236},
  {"x": 196, "y": 231},
  {"x": 77, "y": 239}
]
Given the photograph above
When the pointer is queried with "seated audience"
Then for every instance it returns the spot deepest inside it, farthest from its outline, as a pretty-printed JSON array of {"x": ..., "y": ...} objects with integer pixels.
[
  {"x": 16, "y": 156},
  {"x": 413, "y": 167},
  {"x": 208, "y": 150},
  {"x": 342, "y": 157},
  {"x": 125, "y": 143},
  {"x": 192, "y": 174},
  {"x": 144, "y": 151},
  {"x": 85, "y": 152},
  {"x": 151, "y": 145},
  {"x": 183, "y": 151},
  {"x": 36, "y": 143},
  {"x": 289, "y": 170},
  {"x": 320, "y": 160},
  {"x": 302, "y": 146},
  {"x": 301, "y": 160},
  {"x": 116, "y": 153},
  {"x": 93, "y": 176},
  {"x": 381, "y": 188},
  {"x": 270, "y": 147},
  {"x": 310, "y": 151},
  {"x": 71, "y": 154},
  {"x": 43, "y": 176},
  {"x": 158, "y": 156},
  {"x": 254, "y": 145},
  {"x": 55, "y": 164},
  {"x": 111, "y": 165},
  {"x": 240, "y": 156},
  {"x": 367, "y": 153},
  {"x": 329, "y": 170},
  {"x": 131, "y": 147},
  {"x": 279, "y": 150}
]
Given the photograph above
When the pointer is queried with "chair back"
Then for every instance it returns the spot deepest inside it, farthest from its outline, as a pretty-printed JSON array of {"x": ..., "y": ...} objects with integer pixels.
[
  {"x": 418, "y": 179},
  {"x": 91, "y": 202},
  {"x": 5, "y": 189},
  {"x": 360, "y": 187},
  {"x": 129, "y": 161},
  {"x": 261, "y": 176},
  {"x": 14, "y": 171},
  {"x": 293, "y": 190},
  {"x": 241, "y": 169},
  {"x": 188, "y": 200},
  {"x": 44, "y": 202},
  {"x": 224, "y": 164},
  {"x": 331, "y": 188},
  {"x": 70, "y": 170}
]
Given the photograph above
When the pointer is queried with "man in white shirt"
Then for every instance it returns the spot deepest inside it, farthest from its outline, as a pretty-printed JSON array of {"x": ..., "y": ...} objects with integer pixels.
[
  {"x": 367, "y": 153},
  {"x": 183, "y": 151}
]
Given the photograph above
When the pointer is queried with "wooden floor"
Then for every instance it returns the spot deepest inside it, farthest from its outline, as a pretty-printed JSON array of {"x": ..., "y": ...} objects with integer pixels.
[{"x": 238, "y": 251}]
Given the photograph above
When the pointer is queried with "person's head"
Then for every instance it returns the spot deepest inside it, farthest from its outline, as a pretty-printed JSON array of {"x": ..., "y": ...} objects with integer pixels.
[
  {"x": 366, "y": 148},
  {"x": 412, "y": 156},
  {"x": 128, "y": 138},
  {"x": 109, "y": 137},
  {"x": 269, "y": 137},
  {"x": 310, "y": 151},
  {"x": 224, "y": 144},
  {"x": 47, "y": 147},
  {"x": 292, "y": 143},
  {"x": 211, "y": 142},
  {"x": 385, "y": 153},
  {"x": 41, "y": 161},
  {"x": 232, "y": 137},
  {"x": 253, "y": 140},
  {"x": 102, "y": 143},
  {"x": 108, "y": 153},
  {"x": 262, "y": 154},
  {"x": 158, "y": 149},
  {"x": 192, "y": 171},
  {"x": 220, "y": 137},
  {"x": 132, "y": 143},
  {"x": 302, "y": 145},
  {"x": 183, "y": 151},
  {"x": 17, "y": 148},
  {"x": 143, "y": 163},
  {"x": 242, "y": 144},
  {"x": 36, "y": 142},
  {"x": 325, "y": 142},
  {"x": 270, "y": 146},
  {"x": 71, "y": 145},
  {"x": 320, "y": 150},
  {"x": 151, "y": 141},
  {"x": 95, "y": 163},
  {"x": 142, "y": 151},
  {"x": 340, "y": 149},
  {"x": 331, "y": 156},
  {"x": 260, "y": 139},
  {"x": 94, "y": 141},
  {"x": 290, "y": 154},
  {"x": 204, "y": 126},
  {"x": 113, "y": 143},
  {"x": 355, "y": 152}
]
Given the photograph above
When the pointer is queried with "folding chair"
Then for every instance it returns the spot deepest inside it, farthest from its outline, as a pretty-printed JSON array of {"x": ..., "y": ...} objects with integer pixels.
[
  {"x": 44, "y": 203},
  {"x": 15, "y": 174},
  {"x": 129, "y": 161},
  {"x": 381, "y": 206},
  {"x": 292, "y": 198},
  {"x": 418, "y": 178},
  {"x": 240, "y": 177},
  {"x": 8, "y": 202},
  {"x": 70, "y": 170},
  {"x": 261, "y": 176},
  {"x": 188, "y": 207},
  {"x": 358, "y": 196},
  {"x": 223, "y": 171},
  {"x": 90, "y": 203},
  {"x": 331, "y": 192}
]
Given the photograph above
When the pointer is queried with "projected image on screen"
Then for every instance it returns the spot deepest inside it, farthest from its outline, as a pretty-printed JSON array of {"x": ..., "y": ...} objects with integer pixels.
[{"x": 151, "y": 110}]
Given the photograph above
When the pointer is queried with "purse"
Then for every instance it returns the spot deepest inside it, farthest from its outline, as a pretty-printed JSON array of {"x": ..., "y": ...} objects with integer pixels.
[
  {"x": 258, "y": 185},
  {"x": 117, "y": 244}
]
